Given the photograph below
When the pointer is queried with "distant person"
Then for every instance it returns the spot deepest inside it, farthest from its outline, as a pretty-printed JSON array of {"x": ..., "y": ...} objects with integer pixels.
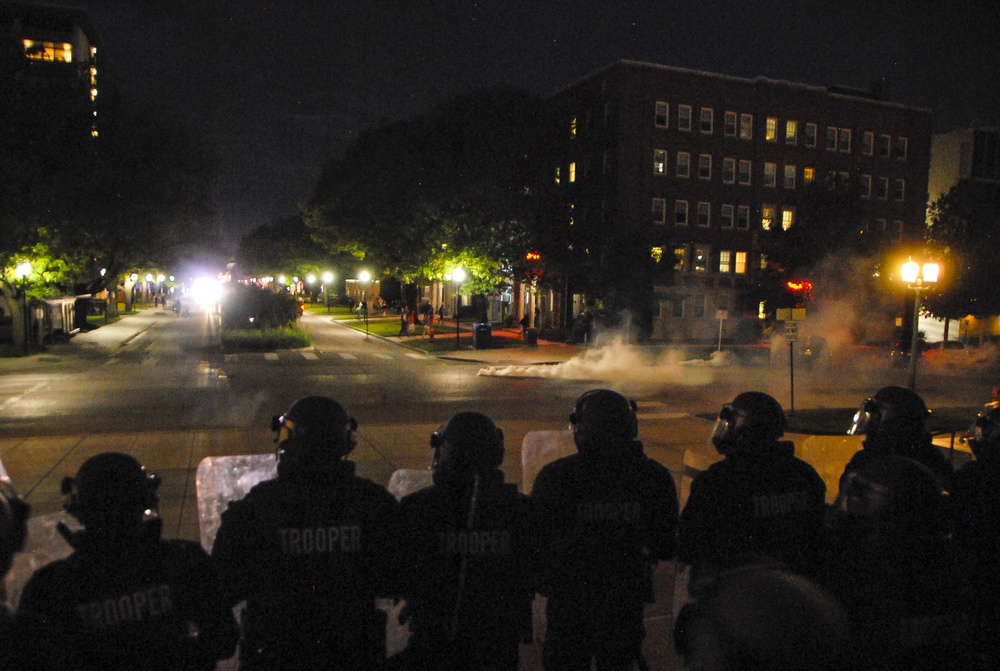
[
  {"x": 605, "y": 516},
  {"x": 890, "y": 563},
  {"x": 975, "y": 505},
  {"x": 468, "y": 555},
  {"x": 125, "y": 599},
  {"x": 310, "y": 550},
  {"x": 765, "y": 618},
  {"x": 894, "y": 421},
  {"x": 760, "y": 501}
]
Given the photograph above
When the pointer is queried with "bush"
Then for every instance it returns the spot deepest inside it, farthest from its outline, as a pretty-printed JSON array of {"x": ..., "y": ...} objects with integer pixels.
[{"x": 248, "y": 307}]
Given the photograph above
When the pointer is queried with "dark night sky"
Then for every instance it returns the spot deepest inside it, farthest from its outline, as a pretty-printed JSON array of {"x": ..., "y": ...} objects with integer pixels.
[{"x": 280, "y": 87}]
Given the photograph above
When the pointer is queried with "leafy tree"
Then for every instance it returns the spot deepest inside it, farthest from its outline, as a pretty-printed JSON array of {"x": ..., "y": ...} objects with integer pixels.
[{"x": 285, "y": 247}]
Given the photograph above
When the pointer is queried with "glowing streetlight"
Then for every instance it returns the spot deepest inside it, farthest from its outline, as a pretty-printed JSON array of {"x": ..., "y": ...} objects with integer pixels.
[
  {"x": 917, "y": 277},
  {"x": 327, "y": 279},
  {"x": 365, "y": 278},
  {"x": 21, "y": 272},
  {"x": 457, "y": 276}
]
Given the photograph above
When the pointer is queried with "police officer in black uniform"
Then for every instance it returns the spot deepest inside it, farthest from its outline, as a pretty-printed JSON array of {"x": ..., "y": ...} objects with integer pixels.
[
  {"x": 13, "y": 532},
  {"x": 975, "y": 505},
  {"x": 468, "y": 555},
  {"x": 890, "y": 563},
  {"x": 894, "y": 421},
  {"x": 310, "y": 550},
  {"x": 605, "y": 516},
  {"x": 759, "y": 501},
  {"x": 125, "y": 599}
]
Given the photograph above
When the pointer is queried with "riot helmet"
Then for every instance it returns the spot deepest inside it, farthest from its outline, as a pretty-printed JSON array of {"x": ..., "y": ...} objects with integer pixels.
[
  {"x": 603, "y": 418},
  {"x": 13, "y": 525},
  {"x": 111, "y": 492},
  {"x": 469, "y": 444},
  {"x": 753, "y": 418},
  {"x": 983, "y": 436},
  {"x": 316, "y": 430},
  {"x": 891, "y": 411},
  {"x": 888, "y": 500}
]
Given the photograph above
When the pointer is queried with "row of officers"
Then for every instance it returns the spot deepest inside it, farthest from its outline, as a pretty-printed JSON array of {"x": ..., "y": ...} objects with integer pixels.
[{"x": 901, "y": 572}]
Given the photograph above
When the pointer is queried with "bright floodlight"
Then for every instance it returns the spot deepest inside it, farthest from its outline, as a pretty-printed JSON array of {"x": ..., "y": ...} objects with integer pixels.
[
  {"x": 458, "y": 274},
  {"x": 365, "y": 276},
  {"x": 205, "y": 291},
  {"x": 930, "y": 272},
  {"x": 133, "y": 277},
  {"x": 160, "y": 278},
  {"x": 910, "y": 270},
  {"x": 22, "y": 270}
]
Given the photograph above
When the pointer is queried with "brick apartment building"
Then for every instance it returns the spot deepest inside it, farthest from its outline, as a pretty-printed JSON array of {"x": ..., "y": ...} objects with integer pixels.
[{"x": 700, "y": 163}]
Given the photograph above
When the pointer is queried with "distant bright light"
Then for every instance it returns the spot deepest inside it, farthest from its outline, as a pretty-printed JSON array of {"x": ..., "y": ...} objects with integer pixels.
[
  {"x": 310, "y": 278},
  {"x": 205, "y": 291},
  {"x": 365, "y": 276},
  {"x": 281, "y": 279},
  {"x": 930, "y": 272},
  {"x": 327, "y": 277},
  {"x": 133, "y": 277},
  {"x": 149, "y": 277},
  {"x": 160, "y": 278},
  {"x": 22, "y": 270},
  {"x": 458, "y": 274}
]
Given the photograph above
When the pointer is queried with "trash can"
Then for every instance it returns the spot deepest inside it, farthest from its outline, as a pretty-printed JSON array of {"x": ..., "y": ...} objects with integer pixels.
[
  {"x": 482, "y": 336},
  {"x": 531, "y": 336}
]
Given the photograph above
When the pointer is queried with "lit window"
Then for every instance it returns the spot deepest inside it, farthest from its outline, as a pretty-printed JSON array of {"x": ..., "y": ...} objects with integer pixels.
[
  {"x": 808, "y": 175},
  {"x": 771, "y": 130},
  {"x": 898, "y": 189},
  {"x": 659, "y": 210},
  {"x": 791, "y": 132},
  {"x": 681, "y": 212},
  {"x": 48, "y": 51},
  {"x": 657, "y": 254},
  {"x": 662, "y": 115},
  {"x": 704, "y": 214},
  {"x": 868, "y": 143},
  {"x": 726, "y": 216},
  {"x": 659, "y": 161},
  {"x": 704, "y": 166},
  {"x": 743, "y": 217},
  {"x": 729, "y": 171},
  {"x": 741, "y": 263},
  {"x": 683, "y": 164},
  {"x": 810, "y": 135},
  {"x": 844, "y": 140},
  {"x": 831, "y": 138},
  {"x": 724, "y": 257},
  {"x": 707, "y": 120},
  {"x": 866, "y": 186},
  {"x": 558, "y": 175},
  {"x": 699, "y": 259},
  {"x": 899, "y": 148},
  {"x": 767, "y": 216},
  {"x": 730, "y": 124},
  {"x": 787, "y": 219},
  {"x": 789, "y": 176},
  {"x": 680, "y": 257},
  {"x": 770, "y": 173},
  {"x": 746, "y": 126},
  {"x": 572, "y": 171},
  {"x": 572, "y": 127},
  {"x": 684, "y": 117},
  {"x": 763, "y": 261},
  {"x": 745, "y": 172}
]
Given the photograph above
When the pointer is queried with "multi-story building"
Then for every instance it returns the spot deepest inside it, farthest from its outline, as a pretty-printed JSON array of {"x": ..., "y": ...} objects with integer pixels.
[
  {"x": 48, "y": 62},
  {"x": 698, "y": 164}
]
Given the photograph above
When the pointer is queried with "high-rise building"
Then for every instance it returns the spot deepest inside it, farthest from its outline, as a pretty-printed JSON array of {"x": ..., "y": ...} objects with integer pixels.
[{"x": 690, "y": 167}]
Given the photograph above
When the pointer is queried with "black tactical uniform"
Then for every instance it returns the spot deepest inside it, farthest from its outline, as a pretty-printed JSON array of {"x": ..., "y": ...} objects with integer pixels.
[
  {"x": 975, "y": 506},
  {"x": 309, "y": 551},
  {"x": 759, "y": 501},
  {"x": 890, "y": 564},
  {"x": 604, "y": 516},
  {"x": 468, "y": 555},
  {"x": 126, "y": 599},
  {"x": 894, "y": 422}
]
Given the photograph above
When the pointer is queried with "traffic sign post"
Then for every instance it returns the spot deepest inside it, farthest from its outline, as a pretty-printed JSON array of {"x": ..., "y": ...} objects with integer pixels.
[{"x": 791, "y": 336}]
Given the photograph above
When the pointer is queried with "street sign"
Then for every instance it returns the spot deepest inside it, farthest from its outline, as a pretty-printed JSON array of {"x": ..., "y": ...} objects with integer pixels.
[{"x": 791, "y": 331}]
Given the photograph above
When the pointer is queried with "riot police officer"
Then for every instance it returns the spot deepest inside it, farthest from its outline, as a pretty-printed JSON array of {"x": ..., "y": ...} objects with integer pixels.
[
  {"x": 310, "y": 550},
  {"x": 759, "y": 501},
  {"x": 894, "y": 421},
  {"x": 890, "y": 563},
  {"x": 468, "y": 555},
  {"x": 975, "y": 506},
  {"x": 13, "y": 532},
  {"x": 125, "y": 599},
  {"x": 605, "y": 516}
]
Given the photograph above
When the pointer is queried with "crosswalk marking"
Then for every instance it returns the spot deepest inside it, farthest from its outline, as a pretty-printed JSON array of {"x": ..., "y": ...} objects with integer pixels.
[
  {"x": 347, "y": 355},
  {"x": 415, "y": 355},
  {"x": 270, "y": 356},
  {"x": 385, "y": 356},
  {"x": 311, "y": 356}
]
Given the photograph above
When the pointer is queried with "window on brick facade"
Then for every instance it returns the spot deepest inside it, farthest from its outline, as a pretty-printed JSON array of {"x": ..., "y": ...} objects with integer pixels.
[
  {"x": 662, "y": 116},
  {"x": 789, "y": 176},
  {"x": 808, "y": 175},
  {"x": 746, "y": 126},
  {"x": 699, "y": 260},
  {"x": 865, "y": 182},
  {"x": 681, "y": 212},
  {"x": 707, "y": 120},
  {"x": 771, "y": 129},
  {"x": 729, "y": 171},
  {"x": 899, "y": 148},
  {"x": 868, "y": 143},
  {"x": 745, "y": 167},
  {"x": 882, "y": 188},
  {"x": 704, "y": 214},
  {"x": 791, "y": 132},
  {"x": 724, "y": 261},
  {"x": 898, "y": 189},
  {"x": 770, "y": 173},
  {"x": 729, "y": 129},
  {"x": 811, "y": 135},
  {"x": 659, "y": 161},
  {"x": 831, "y": 138},
  {"x": 704, "y": 166},
  {"x": 683, "y": 164},
  {"x": 659, "y": 210},
  {"x": 844, "y": 140},
  {"x": 884, "y": 145},
  {"x": 787, "y": 218},
  {"x": 743, "y": 217},
  {"x": 767, "y": 211},
  {"x": 684, "y": 117},
  {"x": 741, "y": 263}
]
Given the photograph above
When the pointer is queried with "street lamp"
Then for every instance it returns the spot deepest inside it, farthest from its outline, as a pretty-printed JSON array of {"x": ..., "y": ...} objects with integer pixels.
[
  {"x": 21, "y": 272},
  {"x": 458, "y": 275},
  {"x": 917, "y": 277},
  {"x": 327, "y": 279},
  {"x": 365, "y": 278},
  {"x": 310, "y": 280}
]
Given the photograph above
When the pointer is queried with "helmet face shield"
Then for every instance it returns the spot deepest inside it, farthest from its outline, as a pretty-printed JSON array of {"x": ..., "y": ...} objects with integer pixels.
[
  {"x": 864, "y": 417},
  {"x": 725, "y": 428}
]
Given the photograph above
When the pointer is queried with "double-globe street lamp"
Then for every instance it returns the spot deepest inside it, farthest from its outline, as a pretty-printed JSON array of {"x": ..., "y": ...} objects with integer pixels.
[
  {"x": 917, "y": 277},
  {"x": 21, "y": 272}
]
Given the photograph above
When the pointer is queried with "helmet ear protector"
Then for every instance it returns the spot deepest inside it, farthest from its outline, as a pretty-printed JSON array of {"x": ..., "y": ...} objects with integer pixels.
[
  {"x": 492, "y": 456},
  {"x": 148, "y": 498}
]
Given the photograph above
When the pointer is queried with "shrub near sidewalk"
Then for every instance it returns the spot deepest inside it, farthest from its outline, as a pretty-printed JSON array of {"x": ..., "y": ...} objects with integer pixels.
[{"x": 257, "y": 319}]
